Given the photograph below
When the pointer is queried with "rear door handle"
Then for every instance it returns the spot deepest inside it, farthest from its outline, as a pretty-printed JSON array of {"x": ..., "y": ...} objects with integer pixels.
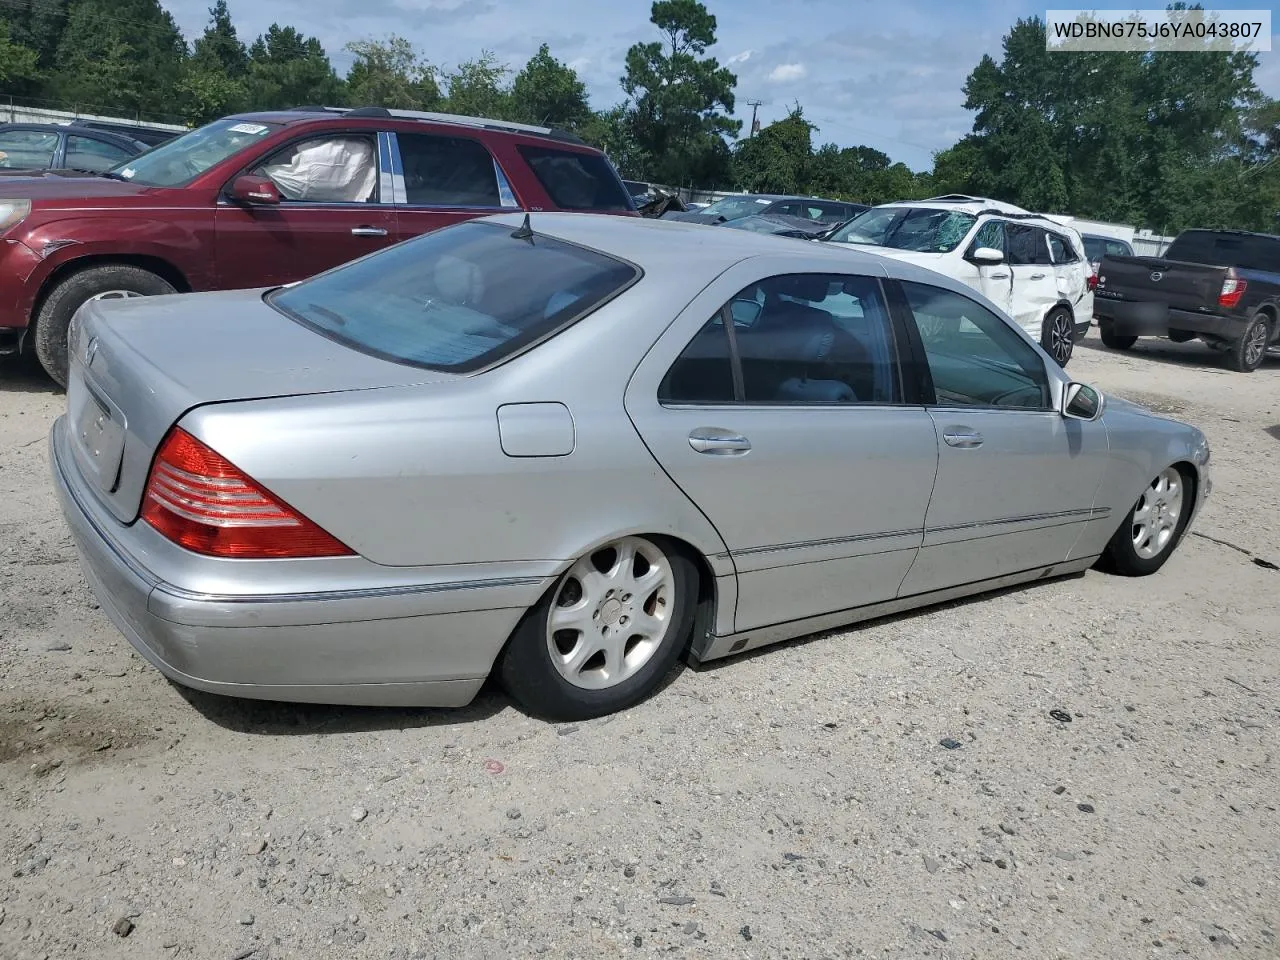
[
  {"x": 716, "y": 442},
  {"x": 962, "y": 438},
  {"x": 368, "y": 232},
  {"x": 1038, "y": 276},
  {"x": 999, "y": 276}
]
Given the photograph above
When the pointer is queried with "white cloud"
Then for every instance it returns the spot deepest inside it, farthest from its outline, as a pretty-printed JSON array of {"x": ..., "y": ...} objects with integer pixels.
[
  {"x": 787, "y": 73},
  {"x": 742, "y": 57}
]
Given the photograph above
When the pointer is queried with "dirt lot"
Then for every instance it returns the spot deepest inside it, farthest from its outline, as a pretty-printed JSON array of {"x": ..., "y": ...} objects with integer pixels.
[{"x": 795, "y": 803}]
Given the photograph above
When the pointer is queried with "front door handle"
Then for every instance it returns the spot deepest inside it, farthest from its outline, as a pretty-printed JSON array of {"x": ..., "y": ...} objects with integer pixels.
[
  {"x": 1038, "y": 276},
  {"x": 368, "y": 232},
  {"x": 965, "y": 439},
  {"x": 999, "y": 276},
  {"x": 717, "y": 442}
]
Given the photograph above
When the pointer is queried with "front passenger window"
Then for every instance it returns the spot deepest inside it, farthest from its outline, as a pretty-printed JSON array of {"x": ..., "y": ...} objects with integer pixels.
[
  {"x": 341, "y": 169},
  {"x": 975, "y": 358}
]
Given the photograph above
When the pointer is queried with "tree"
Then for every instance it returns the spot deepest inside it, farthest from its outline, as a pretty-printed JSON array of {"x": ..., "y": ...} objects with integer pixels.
[
  {"x": 287, "y": 69},
  {"x": 35, "y": 25},
  {"x": 681, "y": 98},
  {"x": 611, "y": 131},
  {"x": 120, "y": 55},
  {"x": 214, "y": 81},
  {"x": 549, "y": 93},
  {"x": 777, "y": 159},
  {"x": 391, "y": 74},
  {"x": 477, "y": 88},
  {"x": 18, "y": 64}
]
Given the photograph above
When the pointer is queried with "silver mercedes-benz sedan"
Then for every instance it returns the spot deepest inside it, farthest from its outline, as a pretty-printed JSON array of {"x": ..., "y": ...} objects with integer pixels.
[{"x": 570, "y": 450}]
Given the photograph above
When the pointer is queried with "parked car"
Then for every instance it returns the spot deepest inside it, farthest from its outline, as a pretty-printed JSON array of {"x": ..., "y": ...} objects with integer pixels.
[
  {"x": 1222, "y": 286},
  {"x": 151, "y": 136},
  {"x": 52, "y": 146},
  {"x": 269, "y": 198},
  {"x": 1096, "y": 247},
  {"x": 830, "y": 212},
  {"x": 1031, "y": 267},
  {"x": 782, "y": 225},
  {"x": 567, "y": 449}
]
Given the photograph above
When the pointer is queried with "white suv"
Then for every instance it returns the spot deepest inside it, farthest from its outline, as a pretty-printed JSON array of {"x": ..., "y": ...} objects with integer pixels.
[{"x": 1030, "y": 266}]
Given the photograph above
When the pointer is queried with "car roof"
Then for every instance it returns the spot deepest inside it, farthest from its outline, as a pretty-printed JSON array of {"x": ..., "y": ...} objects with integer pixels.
[
  {"x": 674, "y": 244},
  {"x": 89, "y": 132},
  {"x": 307, "y": 114}
]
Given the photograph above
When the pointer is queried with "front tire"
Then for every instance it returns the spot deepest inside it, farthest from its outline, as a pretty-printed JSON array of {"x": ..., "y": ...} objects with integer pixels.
[
  {"x": 1113, "y": 340},
  {"x": 606, "y": 634},
  {"x": 1245, "y": 354},
  {"x": 1058, "y": 335},
  {"x": 1153, "y": 527},
  {"x": 108, "y": 282}
]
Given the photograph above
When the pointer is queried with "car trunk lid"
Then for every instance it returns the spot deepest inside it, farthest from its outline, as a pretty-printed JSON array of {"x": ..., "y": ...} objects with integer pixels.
[
  {"x": 1181, "y": 285},
  {"x": 138, "y": 366}
]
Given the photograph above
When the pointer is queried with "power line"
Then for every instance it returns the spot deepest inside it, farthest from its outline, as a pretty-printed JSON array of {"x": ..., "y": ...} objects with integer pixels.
[{"x": 753, "y": 104}]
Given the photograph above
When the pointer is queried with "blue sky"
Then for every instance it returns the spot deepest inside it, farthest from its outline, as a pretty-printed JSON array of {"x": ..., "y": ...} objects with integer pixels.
[{"x": 883, "y": 74}]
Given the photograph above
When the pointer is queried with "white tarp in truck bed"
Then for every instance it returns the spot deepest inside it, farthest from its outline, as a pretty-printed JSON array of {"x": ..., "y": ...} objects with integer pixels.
[{"x": 334, "y": 171}]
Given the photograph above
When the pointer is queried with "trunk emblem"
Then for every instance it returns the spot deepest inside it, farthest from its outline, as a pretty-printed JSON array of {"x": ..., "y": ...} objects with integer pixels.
[
  {"x": 1157, "y": 276},
  {"x": 90, "y": 351}
]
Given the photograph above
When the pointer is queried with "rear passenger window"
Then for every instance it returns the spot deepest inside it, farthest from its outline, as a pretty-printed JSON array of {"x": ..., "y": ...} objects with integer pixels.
[
  {"x": 577, "y": 181},
  {"x": 1062, "y": 249},
  {"x": 1027, "y": 245},
  {"x": 800, "y": 339},
  {"x": 450, "y": 172}
]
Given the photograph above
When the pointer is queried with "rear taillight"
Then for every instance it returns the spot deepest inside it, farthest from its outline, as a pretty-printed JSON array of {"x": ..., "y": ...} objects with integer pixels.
[
  {"x": 1093, "y": 281},
  {"x": 203, "y": 502},
  {"x": 1232, "y": 290}
]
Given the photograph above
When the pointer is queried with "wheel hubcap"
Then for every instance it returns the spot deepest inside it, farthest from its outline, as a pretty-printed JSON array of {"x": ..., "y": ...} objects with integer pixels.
[
  {"x": 116, "y": 295},
  {"x": 1256, "y": 345},
  {"x": 611, "y": 613},
  {"x": 1061, "y": 338},
  {"x": 1156, "y": 516}
]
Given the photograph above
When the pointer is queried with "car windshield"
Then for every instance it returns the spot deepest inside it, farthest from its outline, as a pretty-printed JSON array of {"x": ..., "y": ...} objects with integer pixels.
[
  {"x": 922, "y": 229},
  {"x": 731, "y": 208},
  {"x": 457, "y": 299},
  {"x": 180, "y": 161}
]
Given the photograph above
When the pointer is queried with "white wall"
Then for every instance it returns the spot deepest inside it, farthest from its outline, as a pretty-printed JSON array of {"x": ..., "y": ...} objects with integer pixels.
[{"x": 16, "y": 114}]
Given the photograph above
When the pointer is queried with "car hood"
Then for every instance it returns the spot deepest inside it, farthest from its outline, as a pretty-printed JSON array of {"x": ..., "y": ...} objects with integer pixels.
[
  {"x": 67, "y": 185},
  {"x": 694, "y": 216}
]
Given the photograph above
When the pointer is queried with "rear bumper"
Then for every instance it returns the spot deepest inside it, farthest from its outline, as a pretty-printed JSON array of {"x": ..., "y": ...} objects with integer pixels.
[
  {"x": 1139, "y": 318},
  {"x": 428, "y": 646}
]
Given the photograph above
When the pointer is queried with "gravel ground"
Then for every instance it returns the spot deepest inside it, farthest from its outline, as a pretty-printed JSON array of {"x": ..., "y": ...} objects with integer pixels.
[{"x": 799, "y": 802}]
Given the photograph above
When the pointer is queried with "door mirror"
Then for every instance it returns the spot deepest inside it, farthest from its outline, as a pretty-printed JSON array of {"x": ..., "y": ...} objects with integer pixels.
[
  {"x": 251, "y": 189},
  {"x": 1081, "y": 402},
  {"x": 986, "y": 256}
]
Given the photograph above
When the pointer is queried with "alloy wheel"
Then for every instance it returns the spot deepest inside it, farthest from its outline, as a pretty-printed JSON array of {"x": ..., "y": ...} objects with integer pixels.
[{"x": 1156, "y": 516}]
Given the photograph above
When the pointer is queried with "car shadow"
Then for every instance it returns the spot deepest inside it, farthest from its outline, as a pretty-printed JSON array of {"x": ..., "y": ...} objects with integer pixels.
[
  {"x": 273, "y": 718},
  {"x": 22, "y": 374},
  {"x": 904, "y": 617},
  {"x": 1193, "y": 353}
]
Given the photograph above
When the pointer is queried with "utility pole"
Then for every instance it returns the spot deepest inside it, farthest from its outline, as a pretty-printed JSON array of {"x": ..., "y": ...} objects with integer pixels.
[{"x": 753, "y": 104}]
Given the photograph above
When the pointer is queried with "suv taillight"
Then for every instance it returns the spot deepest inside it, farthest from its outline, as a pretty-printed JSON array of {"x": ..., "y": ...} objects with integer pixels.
[
  {"x": 1093, "y": 281},
  {"x": 1232, "y": 290},
  {"x": 203, "y": 502}
]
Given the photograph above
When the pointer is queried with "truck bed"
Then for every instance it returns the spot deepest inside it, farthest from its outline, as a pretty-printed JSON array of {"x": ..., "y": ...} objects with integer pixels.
[{"x": 1183, "y": 286}]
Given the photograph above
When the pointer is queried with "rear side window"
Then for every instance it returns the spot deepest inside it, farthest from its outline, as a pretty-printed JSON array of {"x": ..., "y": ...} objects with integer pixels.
[
  {"x": 457, "y": 299},
  {"x": 1062, "y": 249},
  {"x": 86, "y": 153},
  {"x": 449, "y": 172},
  {"x": 33, "y": 149},
  {"x": 1226, "y": 250},
  {"x": 577, "y": 181},
  {"x": 1027, "y": 245}
]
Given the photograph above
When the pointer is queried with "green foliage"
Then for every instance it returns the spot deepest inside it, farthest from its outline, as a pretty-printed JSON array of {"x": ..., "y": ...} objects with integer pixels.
[
  {"x": 478, "y": 88},
  {"x": 391, "y": 74},
  {"x": 18, "y": 64},
  {"x": 681, "y": 98},
  {"x": 777, "y": 159},
  {"x": 214, "y": 78},
  {"x": 1162, "y": 140},
  {"x": 287, "y": 69},
  {"x": 549, "y": 93},
  {"x": 124, "y": 55}
]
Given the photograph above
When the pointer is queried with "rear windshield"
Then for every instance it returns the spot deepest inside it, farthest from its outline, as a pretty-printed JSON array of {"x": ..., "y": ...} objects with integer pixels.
[
  {"x": 458, "y": 299},
  {"x": 1226, "y": 250},
  {"x": 578, "y": 181}
]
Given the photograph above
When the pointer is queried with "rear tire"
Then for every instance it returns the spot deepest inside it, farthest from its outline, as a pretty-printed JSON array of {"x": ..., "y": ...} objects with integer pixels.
[
  {"x": 1058, "y": 335},
  {"x": 1153, "y": 528},
  {"x": 1113, "y": 340},
  {"x": 73, "y": 292},
  {"x": 604, "y": 637},
  {"x": 1246, "y": 353}
]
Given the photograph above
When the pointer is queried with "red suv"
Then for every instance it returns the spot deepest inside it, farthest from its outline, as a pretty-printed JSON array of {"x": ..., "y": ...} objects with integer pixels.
[{"x": 268, "y": 198}]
